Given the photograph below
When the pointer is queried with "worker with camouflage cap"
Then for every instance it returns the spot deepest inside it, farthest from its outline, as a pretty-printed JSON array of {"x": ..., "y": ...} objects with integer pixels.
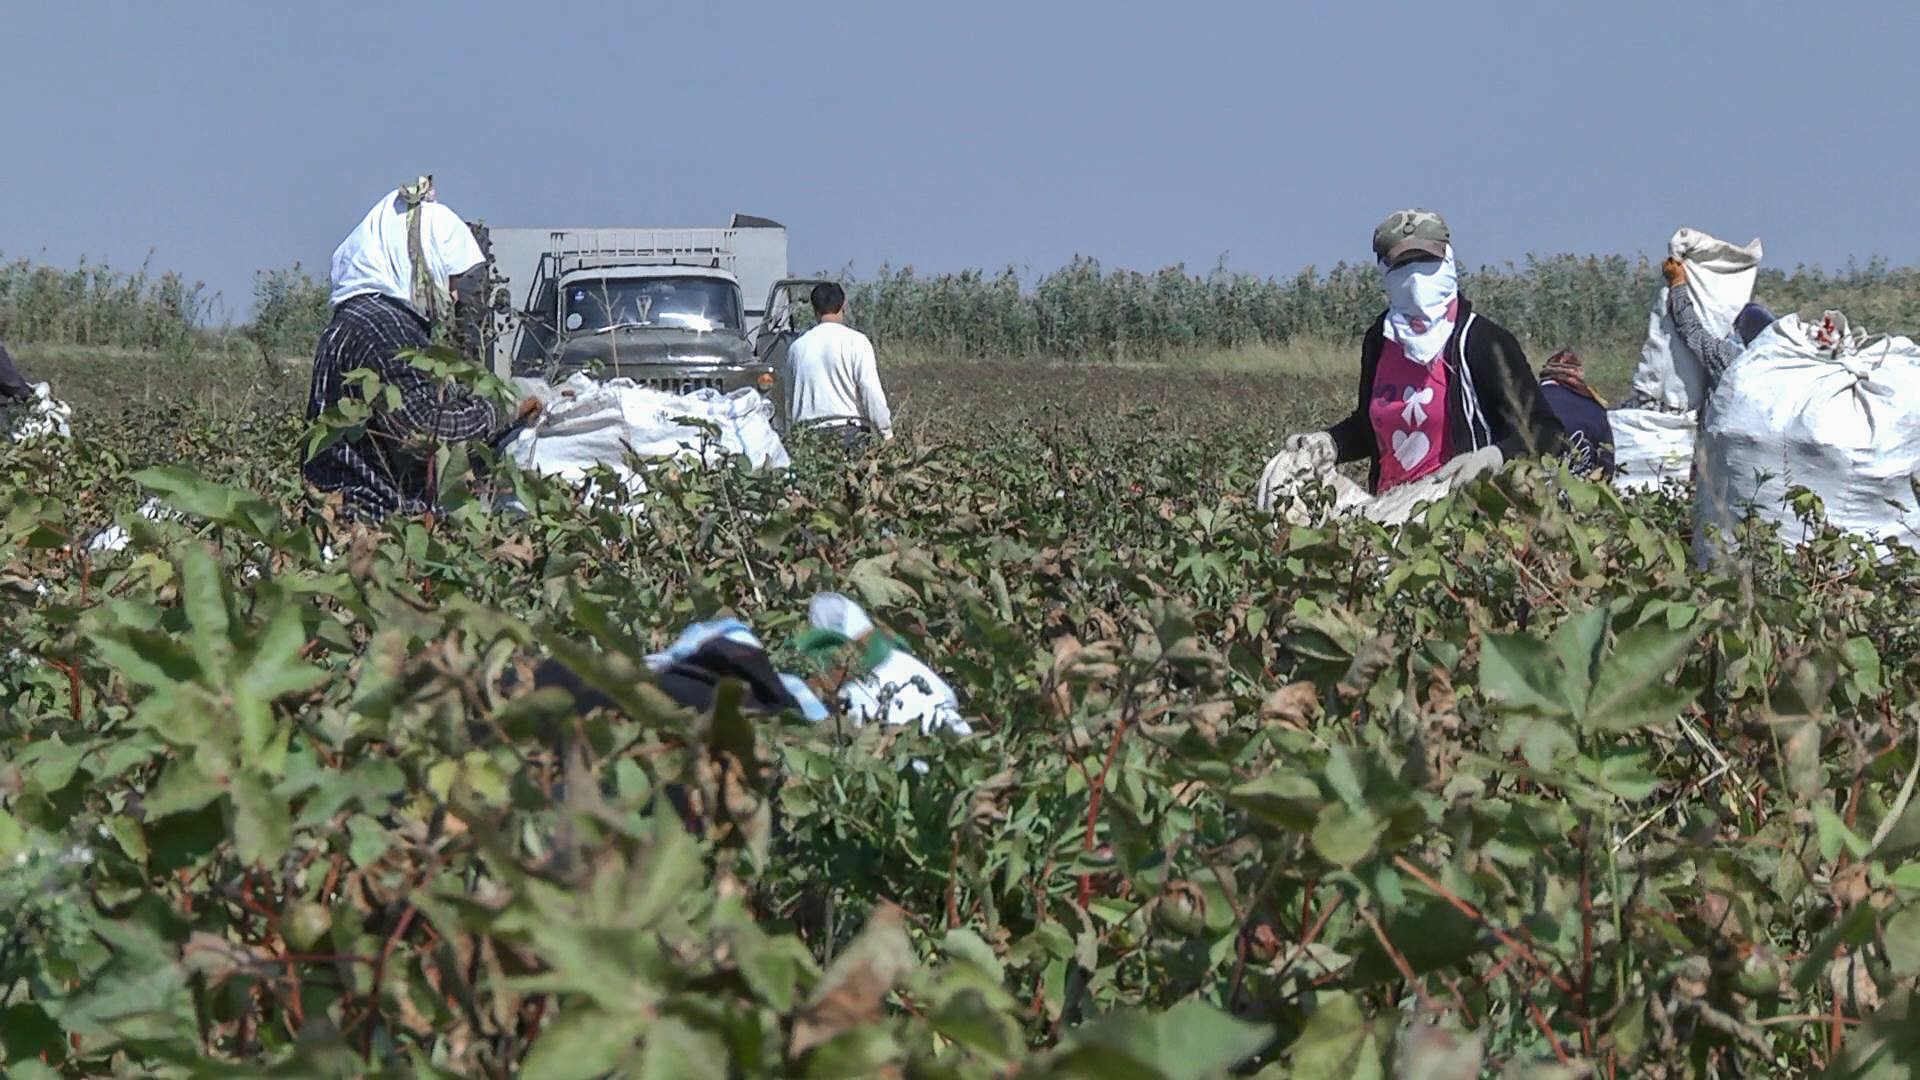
[{"x": 1444, "y": 392}]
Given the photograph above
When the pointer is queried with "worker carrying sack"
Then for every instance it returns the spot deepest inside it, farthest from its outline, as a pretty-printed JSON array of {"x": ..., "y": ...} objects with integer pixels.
[
  {"x": 1816, "y": 405},
  {"x": 1720, "y": 277}
]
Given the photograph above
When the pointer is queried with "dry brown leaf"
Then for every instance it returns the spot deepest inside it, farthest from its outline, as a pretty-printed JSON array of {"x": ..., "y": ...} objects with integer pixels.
[
  {"x": 1297, "y": 704},
  {"x": 1850, "y": 884},
  {"x": 1852, "y": 985},
  {"x": 851, "y": 992}
]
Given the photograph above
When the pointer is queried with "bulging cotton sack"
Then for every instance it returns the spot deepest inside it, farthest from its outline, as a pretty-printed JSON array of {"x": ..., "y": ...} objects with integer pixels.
[
  {"x": 1651, "y": 447},
  {"x": 1720, "y": 277},
  {"x": 585, "y": 423},
  {"x": 1814, "y": 405}
]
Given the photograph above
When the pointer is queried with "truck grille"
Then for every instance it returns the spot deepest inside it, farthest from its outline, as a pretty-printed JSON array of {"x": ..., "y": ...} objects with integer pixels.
[{"x": 682, "y": 385}]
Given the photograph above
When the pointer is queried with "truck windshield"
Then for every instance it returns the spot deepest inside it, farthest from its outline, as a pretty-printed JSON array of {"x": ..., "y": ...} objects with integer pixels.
[{"x": 678, "y": 303}]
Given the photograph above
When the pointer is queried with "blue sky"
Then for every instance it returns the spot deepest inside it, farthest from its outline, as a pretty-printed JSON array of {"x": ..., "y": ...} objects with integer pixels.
[{"x": 230, "y": 136}]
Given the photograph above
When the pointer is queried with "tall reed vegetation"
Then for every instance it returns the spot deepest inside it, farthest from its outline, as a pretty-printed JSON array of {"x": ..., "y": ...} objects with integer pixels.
[{"x": 1083, "y": 310}]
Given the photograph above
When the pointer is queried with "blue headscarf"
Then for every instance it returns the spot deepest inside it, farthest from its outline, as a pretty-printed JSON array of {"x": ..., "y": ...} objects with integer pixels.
[{"x": 1752, "y": 320}]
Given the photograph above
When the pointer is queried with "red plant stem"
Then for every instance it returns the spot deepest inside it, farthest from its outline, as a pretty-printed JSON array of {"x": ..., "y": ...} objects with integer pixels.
[
  {"x": 1399, "y": 961},
  {"x": 1093, "y": 805},
  {"x": 1540, "y": 1021},
  {"x": 1833, "y": 1030},
  {"x": 74, "y": 689},
  {"x": 1312, "y": 934},
  {"x": 953, "y": 867},
  {"x": 1473, "y": 913},
  {"x": 380, "y": 974},
  {"x": 1586, "y": 939}
]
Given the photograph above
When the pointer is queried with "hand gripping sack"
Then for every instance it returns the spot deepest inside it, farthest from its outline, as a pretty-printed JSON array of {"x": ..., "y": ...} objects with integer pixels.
[
  {"x": 1814, "y": 405},
  {"x": 1720, "y": 277},
  {"x": 1651, "y": 447}
]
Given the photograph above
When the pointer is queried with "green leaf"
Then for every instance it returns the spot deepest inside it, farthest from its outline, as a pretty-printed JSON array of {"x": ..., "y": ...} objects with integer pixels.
[
  {"x": 969, "y": 1019},
  {"x": 181, "y": 786},
  {"x": 1346, "y": 835},
  {"x": 1902, "y": 936},
  {"x": 1187, "y": 1042},
  {"x": 863, "y": 1051},
  {"x": 147, "y": 657},
  {"x": 1631, "y": 692},
  {"x": 51, "y": 764},
  {"x": 186, "y": 490},
  {"x": 676, "y": 1050},
  {"x": 1283, "y": 799},
  {"x": 262, "y": 830},
  {"x": 203, "y": 594},
  {"x": 1577, "y": 645},
  {"x": 964, "y": 945},
  {"x": 1522, "y": 674},
  {"x": 1339, "y": 1043},
  {"x": 580, "y": 1044},
  {"x": 1834, "y": 835}
]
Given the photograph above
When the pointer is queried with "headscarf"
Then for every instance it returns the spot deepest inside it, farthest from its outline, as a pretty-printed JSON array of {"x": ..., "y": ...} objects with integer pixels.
[
  {"x": 1420, "y": 305},
  {"x": 1751, "y": 321},
  {"x": 429, "y": 296},
  {"x": 1565, "y": 368}
]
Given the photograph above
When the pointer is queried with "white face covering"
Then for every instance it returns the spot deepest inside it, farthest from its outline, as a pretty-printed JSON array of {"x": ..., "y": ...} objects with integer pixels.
[{"x": 1419, "y": 297}]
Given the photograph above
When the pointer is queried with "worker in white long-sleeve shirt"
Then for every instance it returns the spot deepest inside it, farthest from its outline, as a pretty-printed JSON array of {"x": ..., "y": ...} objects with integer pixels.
[{"x": 833, "y": 383}]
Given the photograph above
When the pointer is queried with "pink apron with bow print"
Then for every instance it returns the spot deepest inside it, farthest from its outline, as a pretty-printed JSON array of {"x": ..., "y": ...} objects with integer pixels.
[{"x": 1409, "y": 414}]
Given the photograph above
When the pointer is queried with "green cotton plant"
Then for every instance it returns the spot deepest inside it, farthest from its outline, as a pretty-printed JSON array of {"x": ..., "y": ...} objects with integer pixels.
[{"x": 1513, "y": 788}]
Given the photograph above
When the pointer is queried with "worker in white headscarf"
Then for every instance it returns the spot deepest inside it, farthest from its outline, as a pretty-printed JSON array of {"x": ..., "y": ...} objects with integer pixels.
[
  {"x": 394, "y": 279},
  {"x": 1444, "y": 392}
]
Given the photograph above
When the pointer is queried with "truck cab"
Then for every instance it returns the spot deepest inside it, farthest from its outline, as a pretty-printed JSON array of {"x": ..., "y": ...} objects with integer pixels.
[
  {"x": 673, "y": 328},
  {"x": 666, "y": 308}
]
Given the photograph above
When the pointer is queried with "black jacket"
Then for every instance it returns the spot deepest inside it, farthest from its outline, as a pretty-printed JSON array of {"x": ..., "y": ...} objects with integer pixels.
[
  {"x": 1492, "y": 399},
  {"x": 1589, "y": 432},
  {"x": 11, "y": 384}
]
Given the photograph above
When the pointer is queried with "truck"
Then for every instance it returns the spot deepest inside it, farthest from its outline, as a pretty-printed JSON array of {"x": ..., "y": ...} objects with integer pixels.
[{"x": 673, "y": 309}]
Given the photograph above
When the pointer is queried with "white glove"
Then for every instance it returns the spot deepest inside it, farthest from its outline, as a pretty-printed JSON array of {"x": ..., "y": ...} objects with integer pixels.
[
  {"x": 1316, "y": 446},
  {"x": 1304, "y": 458},
  {"x": 1465, "y": 467}
]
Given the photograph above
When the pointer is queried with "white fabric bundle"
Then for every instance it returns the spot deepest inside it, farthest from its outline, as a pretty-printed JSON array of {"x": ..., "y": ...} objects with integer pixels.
[
  {"x": 1290, "y": 474},
  {"x": 1720, "y": 277},
  {"x": 1652, "y": 447},
  {"x": 585, "y": 423},
  {"x": 46, "y": 417},
  {"x": 900, "y": 689},
  {"x": 1820, "y": 406}
]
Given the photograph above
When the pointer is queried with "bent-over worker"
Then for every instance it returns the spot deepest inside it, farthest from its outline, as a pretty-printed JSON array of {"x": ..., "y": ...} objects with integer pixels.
[
  {"x": 1444, "y": 392},
  {"x": 1582, "y": 411},
  {"x": 834, "y": 382},
  {"x": 394, "y": 278}
]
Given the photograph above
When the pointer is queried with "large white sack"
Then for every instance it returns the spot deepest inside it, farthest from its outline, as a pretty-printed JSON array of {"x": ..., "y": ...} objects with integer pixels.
[
  {"x": 1817, "y": 406},
  {"x": 585, "y": 423},
  {"x": 1720, "y": 277},
  {"x": 1651, "y": 447}
]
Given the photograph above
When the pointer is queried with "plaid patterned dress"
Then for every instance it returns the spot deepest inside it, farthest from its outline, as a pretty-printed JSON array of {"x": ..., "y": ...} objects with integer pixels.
[{"x": 383, "y": 472}]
